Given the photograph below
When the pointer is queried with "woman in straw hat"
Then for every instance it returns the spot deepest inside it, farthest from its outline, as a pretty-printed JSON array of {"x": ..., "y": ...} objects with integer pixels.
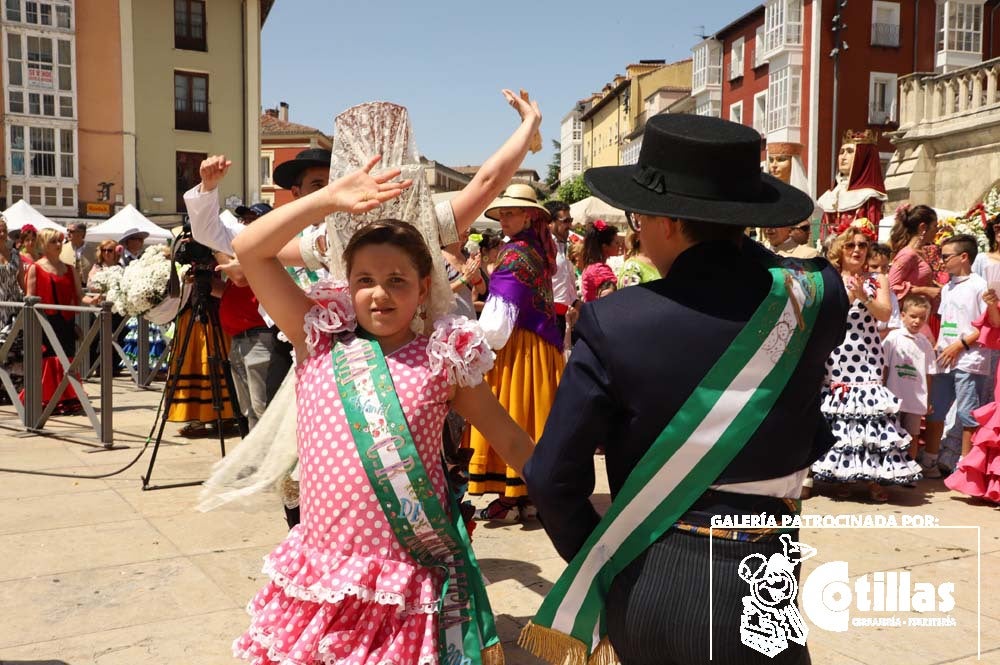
[{"x": 519, "y": 321}]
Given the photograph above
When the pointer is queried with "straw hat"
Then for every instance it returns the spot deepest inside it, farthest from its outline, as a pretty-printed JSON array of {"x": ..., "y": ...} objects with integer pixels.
[{"x": 516, "y": 196}]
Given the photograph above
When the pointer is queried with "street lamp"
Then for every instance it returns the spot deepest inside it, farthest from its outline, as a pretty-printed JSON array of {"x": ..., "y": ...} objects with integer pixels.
[{"x": 839, "y": 45}]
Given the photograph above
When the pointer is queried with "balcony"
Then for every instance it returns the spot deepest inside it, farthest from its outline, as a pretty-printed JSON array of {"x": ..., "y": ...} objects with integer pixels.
[
  {"x": 885, "y": 34},
  {"x": 929, "y": 101}
]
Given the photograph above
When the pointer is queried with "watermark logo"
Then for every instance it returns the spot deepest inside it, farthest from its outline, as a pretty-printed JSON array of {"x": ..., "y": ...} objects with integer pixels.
[
  {"x": 828, "y": 598},
  {"x": 770, "y": 618}
]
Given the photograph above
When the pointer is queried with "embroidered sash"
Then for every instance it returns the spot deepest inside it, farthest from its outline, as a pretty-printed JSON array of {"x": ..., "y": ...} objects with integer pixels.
[
  {"x": 411, "y": 506},
  {"x": 699, "y": 442}
]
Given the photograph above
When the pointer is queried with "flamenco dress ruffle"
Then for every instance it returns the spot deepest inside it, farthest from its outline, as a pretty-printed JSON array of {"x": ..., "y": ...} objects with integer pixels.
[
  {"x": 978, "y": 474},
  {"x": 870, "y": 444},
  {"x": 325, "y": 607}
]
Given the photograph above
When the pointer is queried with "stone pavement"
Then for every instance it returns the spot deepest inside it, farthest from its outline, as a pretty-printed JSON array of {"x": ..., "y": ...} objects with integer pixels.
[{"x": 99, "y": 572}]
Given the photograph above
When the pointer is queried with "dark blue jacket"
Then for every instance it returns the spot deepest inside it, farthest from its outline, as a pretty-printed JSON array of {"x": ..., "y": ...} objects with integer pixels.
[{"x": 640, "y": 352}]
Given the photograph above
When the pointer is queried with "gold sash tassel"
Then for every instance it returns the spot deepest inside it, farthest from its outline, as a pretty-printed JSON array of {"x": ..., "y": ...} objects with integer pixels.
[
  {"x": 493, "y": 655},
  {"x": 604, "y": 654},
  {"x": 552, "y": 646}
]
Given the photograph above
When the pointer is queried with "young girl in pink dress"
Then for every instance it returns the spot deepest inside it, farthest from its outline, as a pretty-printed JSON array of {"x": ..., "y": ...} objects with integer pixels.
[{"x": 362, "y": 580}]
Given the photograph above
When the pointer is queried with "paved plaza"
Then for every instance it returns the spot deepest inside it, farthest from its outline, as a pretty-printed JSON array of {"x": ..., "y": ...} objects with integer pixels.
[{"x": 100, "y": 572}]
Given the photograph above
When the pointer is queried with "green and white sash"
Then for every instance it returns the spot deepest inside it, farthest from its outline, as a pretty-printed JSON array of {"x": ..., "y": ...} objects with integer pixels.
[
  {"x": 698, "y": 443},
  {"x": 411, "y": 506}
]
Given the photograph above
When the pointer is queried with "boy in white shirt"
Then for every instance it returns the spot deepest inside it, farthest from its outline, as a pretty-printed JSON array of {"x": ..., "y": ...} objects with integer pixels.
[
  {"x": 962, "y": 365},
  {"x": 910, "y": 362}
]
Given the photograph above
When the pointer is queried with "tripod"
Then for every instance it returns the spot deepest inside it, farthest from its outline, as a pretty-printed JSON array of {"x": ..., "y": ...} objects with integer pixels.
[{"x": 205, "y": 313}]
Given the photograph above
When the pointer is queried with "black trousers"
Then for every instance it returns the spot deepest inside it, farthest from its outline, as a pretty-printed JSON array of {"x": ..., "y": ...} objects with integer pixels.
[{"x": 657, "y": 608}]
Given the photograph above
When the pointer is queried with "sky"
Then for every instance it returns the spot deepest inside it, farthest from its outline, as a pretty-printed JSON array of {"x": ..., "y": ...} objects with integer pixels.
[{"x": 447, "y": 61}]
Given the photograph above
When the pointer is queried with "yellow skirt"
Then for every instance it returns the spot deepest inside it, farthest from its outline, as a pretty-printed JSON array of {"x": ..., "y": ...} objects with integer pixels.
[
  {"x": 193, "y": 397},
  {"x": 524, "y": 379}
]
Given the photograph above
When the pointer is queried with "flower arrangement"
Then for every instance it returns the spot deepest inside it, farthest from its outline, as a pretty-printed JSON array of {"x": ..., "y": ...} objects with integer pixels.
[
  {"x": 106, "y": 281},
  {"x": 142, "y": 285},
  {"x": 973, "y": 222}
]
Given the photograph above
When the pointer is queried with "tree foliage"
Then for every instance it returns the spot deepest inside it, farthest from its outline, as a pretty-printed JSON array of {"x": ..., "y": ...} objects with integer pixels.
[
  {"x": 573, "y": 190},
  {"x": 552, "y": 178}
]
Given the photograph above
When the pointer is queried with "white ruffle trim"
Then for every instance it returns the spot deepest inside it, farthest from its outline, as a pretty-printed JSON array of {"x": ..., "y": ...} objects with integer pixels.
[
  {"x": 320, "y": 594},
  {"x": 323, "y": 651},
  {"x": 332, "y": 314},
  {"x": 858, "y": 400},
  {"x": 458, "y": 347}
]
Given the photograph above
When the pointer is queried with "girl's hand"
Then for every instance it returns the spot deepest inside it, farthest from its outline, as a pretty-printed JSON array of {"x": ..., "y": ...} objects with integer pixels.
[
  {"x": 360, "y": 192},
  {"x": 471, "y": 269}
]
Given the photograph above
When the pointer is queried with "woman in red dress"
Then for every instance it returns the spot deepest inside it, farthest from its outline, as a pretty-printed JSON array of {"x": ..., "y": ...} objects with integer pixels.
[{"x": 55, "y": 283}]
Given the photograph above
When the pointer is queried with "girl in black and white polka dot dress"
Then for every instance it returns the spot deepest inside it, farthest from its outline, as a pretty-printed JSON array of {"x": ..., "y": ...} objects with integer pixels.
[{"x": 870, "y": 443}]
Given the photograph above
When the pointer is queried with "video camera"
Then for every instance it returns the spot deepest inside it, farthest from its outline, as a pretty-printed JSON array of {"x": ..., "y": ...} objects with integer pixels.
[{"x": 188, "y": 251}]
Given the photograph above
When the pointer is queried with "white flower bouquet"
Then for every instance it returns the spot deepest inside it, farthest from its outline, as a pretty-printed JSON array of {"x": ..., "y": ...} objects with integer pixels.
[{"x": 142, "y": 287}]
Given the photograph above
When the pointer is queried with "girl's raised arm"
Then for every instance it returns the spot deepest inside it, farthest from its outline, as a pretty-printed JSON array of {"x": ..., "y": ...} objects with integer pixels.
[{"x": 258, "y": 246}]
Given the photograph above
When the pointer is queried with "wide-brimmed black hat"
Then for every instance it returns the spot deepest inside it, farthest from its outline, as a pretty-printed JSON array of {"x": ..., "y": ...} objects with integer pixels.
[
  {"x": 701, "y": 169},
  {"x": 286, "y": 172}
]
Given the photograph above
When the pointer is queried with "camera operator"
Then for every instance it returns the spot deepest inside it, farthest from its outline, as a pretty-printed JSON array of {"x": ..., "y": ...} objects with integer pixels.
[{"x": 258, "y": 359}]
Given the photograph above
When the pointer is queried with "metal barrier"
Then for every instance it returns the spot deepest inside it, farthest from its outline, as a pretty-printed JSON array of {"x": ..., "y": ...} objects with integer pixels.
[
  {"x": 36, "y": 329},
  {"x": 143, "y": 374}
]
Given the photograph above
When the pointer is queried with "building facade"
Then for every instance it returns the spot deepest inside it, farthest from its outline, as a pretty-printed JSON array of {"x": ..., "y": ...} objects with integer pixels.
[
  {"x": 620, "y": 110},
  {"x": 571, "y": 143},
  {"x": 119, "y": 103},
  {"x": 280, "y": 141},
  {"x": 774, "y": 69}
]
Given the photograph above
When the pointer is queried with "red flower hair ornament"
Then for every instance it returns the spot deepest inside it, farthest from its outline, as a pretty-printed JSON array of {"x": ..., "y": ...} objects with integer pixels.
[
  {"x": 600, "y": 225},
  {"x": 861, "y": 225}
]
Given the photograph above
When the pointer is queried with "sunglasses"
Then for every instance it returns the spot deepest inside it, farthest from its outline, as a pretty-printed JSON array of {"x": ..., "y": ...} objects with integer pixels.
[
  {"x": 567, "y": 220},
  {"x": 855, "y": 245},
  {"x": 109, "y": 250},
  {"x": 633, "y": 220},
  {"x": 804, "y": 227},
  {"x": 945, "y": 257}
]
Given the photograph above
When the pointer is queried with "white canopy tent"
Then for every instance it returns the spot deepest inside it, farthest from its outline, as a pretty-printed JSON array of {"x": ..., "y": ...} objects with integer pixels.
[
  {"x": 21, "y": 213},
  {"x": 125, "y": 220},
  {"x": 592, "y": 208}
]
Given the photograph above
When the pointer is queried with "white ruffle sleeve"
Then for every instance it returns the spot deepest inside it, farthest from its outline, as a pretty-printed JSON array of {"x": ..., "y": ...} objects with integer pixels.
[
  {"x": 458, "y": 348},
  {"x": 497, "y": 321},
  {"x": 333, "y": 312}
]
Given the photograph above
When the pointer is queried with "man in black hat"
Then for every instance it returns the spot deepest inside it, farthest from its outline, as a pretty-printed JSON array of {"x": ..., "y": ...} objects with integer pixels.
[
  {"x": 704, "y": 389},
  {"x": 249, "y": 214}
]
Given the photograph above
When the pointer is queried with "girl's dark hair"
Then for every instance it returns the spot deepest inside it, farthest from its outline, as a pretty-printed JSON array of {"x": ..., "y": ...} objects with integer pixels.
[
  {"x": 489, "y": 241},
  {"x": 594, "y": 240},
  {"x": 991, "y": 232},
  {"x": 393, "y": 232},
  {"x": 907, "y": 224}
]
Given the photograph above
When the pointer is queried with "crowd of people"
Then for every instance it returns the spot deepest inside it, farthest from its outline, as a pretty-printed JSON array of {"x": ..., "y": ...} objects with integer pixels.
[{"x": 371, "y": 333}]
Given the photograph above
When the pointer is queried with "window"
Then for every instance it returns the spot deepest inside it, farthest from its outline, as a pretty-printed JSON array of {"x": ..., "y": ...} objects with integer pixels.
[
  {"x": 14, "y": 10},
  {"x": 960, "y": 26},
  {"x": 711, "y": 107},
  {"x": 64, "y": 15},
  {"x": 707, "y": 65},
  {"x": 885, "y": 23},
  {"x": 758, "y": 48},
  {"x": 191, "y": 101},
  {"x": 265, "y": 169},
  {"x": 736, "y": 59},
  {"x": 782, "y": 24},
  {"x": 42, "y": 143},
  {"x": 736, "y": 112},
  {"x": 187, "y": 164},
  {"x": 16, "y": 193},
  {"x": 39, "y": 62},
  {"x": 760, "y": 112},
  {"x": 783, "y": 98},
  {"x": 16, "y": 150},
  {"x": 66, "y": 150},
  {"x": 577, "y": 130},
  {"x": 881, "y": 98},
  {"x": 189, "y": 25}
]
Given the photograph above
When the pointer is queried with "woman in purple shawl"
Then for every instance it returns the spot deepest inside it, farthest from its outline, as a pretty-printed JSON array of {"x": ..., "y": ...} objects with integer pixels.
[{"x": 519, "y": 321}]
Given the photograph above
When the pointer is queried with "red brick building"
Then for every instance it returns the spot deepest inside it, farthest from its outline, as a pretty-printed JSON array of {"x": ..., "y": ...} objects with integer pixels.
[
  {"x": 773, "y": 68},
  {"x": 280, "y": 141}
]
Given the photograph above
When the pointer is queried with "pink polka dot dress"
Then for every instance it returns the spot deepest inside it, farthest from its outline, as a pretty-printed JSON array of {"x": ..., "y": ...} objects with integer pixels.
[{"x": 343, "y": 590}]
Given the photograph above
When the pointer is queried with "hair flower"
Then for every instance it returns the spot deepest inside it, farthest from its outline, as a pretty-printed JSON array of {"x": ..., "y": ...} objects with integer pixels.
[{"x": 601, "y": 225}]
